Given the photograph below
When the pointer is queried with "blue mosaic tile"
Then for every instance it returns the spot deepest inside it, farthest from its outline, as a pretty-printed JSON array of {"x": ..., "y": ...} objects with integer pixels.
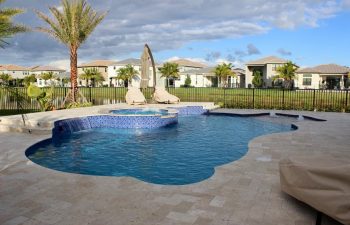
[
  {"x": 68, "y": 126},
  {"x": 190, "y": 110}
]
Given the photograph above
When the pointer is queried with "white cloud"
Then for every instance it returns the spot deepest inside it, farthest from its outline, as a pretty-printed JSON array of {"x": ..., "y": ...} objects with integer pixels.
[
  {"x": 235, "y": 63},
  {"x": 166, "y": 25},
  {"x": 62, "y": 64}
]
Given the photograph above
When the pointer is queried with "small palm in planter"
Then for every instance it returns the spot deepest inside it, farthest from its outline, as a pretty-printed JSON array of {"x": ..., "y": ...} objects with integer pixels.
[{"x": 44, "y": 98}]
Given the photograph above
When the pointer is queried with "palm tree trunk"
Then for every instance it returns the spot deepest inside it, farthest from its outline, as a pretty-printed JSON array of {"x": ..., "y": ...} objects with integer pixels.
[{"x": 74, "y": 72}]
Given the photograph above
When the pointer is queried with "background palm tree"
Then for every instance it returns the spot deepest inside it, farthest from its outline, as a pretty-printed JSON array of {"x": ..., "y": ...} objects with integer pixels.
[
  {"x": 64, "y": 81},
  {"x": 127, "y": 73},
  {"x": 7, "y": 27},
  {"x": 169, "y": 71},
  {"x": 92, "y": 75},
  {"x": 49, "y": 76},
  {"x": 72, "y": 26},
  {"x": 223, "y": 71},
  {"x": 5, "y": 79},
  {"x": 29, "y": 79},
  {"x": 287, "y": 73}
]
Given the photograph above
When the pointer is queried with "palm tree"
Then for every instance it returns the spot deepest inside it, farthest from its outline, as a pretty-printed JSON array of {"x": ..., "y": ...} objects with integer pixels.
[
  {"x": 92, "y": 75},
  {"x": 29, "y": 79},
  {"x": 169, "y": 71},
  {"x": 7, "y": 27},
  {"x": 287, "y": 73},
  {"x": 72, "y": 26},
  {"x": 127, "y": 73},
  {"x": 97, "y": 79},
  {"x": 223, "y": 71},
  {"x": 5, "y": 79},
  {"x": 64, "y": 81},
  {"x": 48, "y": 76}
]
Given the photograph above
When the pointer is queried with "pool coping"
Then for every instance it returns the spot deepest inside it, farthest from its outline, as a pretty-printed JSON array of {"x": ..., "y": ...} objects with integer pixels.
[{"x": 238, "y": 192}]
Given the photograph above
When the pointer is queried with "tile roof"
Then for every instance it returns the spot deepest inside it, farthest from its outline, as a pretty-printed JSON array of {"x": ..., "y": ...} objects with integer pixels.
[
  {"x": 131, "y": 61},
  {"x": 98, "y": 63},
  {"x": 46, "y": 68},
  {"x": 189, "y": 63},
  {"x": 207, "y": 70},
  {"x": 13, "y": 68},
  {"x": 238, "y": 71},
  {"x": 266, "y": 60},
  {"x": 326, "y": 69}
]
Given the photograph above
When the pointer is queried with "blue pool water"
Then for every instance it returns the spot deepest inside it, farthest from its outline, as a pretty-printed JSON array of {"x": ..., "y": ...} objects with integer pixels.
[
  {"x": 184, "y": 153},
  {"x": 162, "y": 112}
]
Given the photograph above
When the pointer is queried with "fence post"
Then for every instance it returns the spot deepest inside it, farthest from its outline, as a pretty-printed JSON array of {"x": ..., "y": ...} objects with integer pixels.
[
  {"x": 253, "y": 97},
  {"x": 314, "y": 99},
  {"x": 115, "y": 95},
  {"x": 346, "y": 100},
  {"x": 17, "y": 103},
  {"x": 283, "y": 98},
  {"x": 90, "y": 94},
  {"x": 65, "y": 92},
  {"x": 224, "y": 97}
]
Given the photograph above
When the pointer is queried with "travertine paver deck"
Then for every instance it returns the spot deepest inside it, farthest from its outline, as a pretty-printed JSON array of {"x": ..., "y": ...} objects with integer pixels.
[{"x": 244, "y": 192}]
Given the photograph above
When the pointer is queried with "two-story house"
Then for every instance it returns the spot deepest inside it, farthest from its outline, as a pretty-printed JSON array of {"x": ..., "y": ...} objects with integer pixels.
[
  {"x": 100, "y": 65},
  {"x": 267, "y": 66}
]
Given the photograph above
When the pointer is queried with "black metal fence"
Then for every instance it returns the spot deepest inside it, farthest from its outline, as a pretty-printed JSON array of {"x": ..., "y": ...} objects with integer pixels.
[{"x": 308, "y": 99}]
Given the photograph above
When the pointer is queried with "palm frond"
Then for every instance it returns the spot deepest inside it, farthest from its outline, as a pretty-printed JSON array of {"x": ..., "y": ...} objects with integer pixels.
[{"x": 7, "y": 27}]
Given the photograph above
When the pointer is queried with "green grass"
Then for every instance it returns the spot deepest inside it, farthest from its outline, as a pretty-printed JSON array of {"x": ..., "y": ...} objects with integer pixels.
[{"x": 320, "y": 100}]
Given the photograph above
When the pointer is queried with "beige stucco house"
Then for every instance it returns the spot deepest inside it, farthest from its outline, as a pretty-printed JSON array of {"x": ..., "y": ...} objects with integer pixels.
[
  {"x": 188, "y": 68},
  {"x": 57, "y": 72},
  {"x": 267, "y": 66},
  {"x": 16, "y": 72},
  {"x": 203, "y": 77},
  {"x": 206, "y": 77},
  {"x": 100, "y": 65},
  {"x": 327, "y": 76},
  {"x": 136, "y": 80}
]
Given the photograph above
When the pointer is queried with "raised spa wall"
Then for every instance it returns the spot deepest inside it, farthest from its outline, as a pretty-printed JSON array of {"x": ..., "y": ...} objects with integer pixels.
[{"x": 68, "y": 126}]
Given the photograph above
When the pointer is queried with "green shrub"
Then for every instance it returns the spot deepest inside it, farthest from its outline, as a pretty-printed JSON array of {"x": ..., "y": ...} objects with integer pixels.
[{"x": 44, "y": 98}]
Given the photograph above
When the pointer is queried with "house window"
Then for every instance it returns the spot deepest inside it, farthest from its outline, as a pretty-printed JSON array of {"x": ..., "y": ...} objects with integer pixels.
[
  {"x": 275, "y": 66},
  {"x": 307, "y": 79},
  {"x": 106, "y": 69}
]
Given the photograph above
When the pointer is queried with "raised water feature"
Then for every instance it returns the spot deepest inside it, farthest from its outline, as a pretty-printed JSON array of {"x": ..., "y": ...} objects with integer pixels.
[{"x": 142, "y": 111}]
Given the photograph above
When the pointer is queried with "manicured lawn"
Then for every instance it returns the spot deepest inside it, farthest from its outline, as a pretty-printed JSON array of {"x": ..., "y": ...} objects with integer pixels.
[{"x": 321, "y": 100}]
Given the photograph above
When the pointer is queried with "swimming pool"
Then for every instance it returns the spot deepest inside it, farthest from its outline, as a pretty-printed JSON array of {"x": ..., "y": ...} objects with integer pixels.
[{"x": 183, "y": 153}]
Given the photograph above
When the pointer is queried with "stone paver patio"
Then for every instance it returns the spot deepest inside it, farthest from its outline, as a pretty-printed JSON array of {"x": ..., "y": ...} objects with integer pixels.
[{"x": 244, "y": 192}]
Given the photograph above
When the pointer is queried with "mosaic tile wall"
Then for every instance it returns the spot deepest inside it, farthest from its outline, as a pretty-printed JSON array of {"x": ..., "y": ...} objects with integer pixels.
[
  {"x": 190, "y": 110},
  {"x": 68, "y": 126}
]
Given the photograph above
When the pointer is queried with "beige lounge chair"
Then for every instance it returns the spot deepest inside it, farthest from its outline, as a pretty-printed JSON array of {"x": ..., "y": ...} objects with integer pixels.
[
  {"x": 135, "y": 97},
  {"x": 322, "y": 182},
  {"x": 162, "y": 96}
]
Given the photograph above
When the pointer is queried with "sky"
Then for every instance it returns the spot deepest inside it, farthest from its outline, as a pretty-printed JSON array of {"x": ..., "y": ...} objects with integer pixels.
[{"x": 308, "y": 32}]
